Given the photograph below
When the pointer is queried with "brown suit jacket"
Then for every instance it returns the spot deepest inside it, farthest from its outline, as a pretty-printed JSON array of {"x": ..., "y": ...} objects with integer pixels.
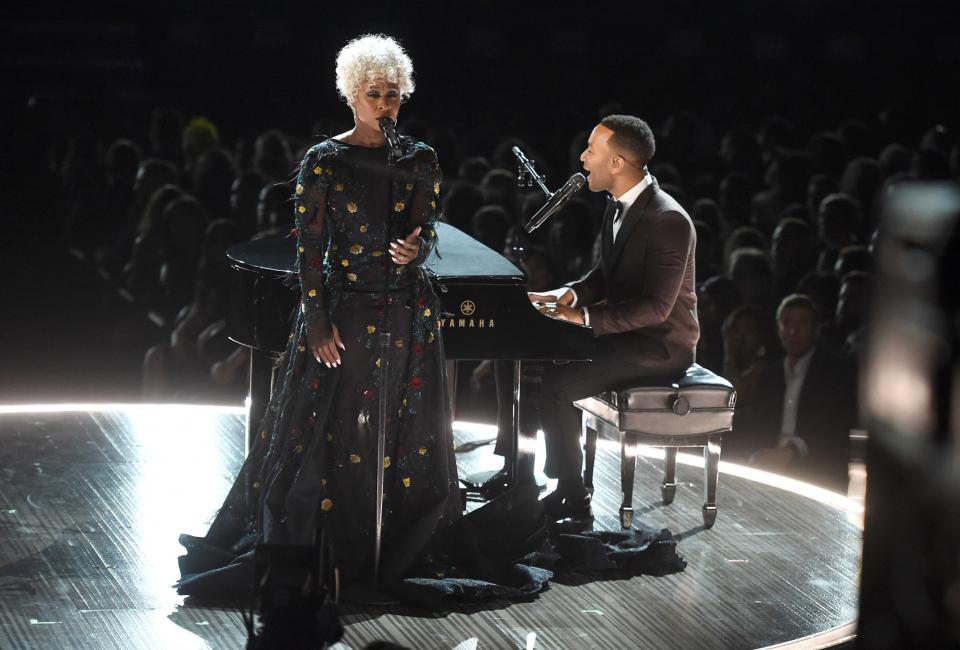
[{"x": 642, "y": 291}]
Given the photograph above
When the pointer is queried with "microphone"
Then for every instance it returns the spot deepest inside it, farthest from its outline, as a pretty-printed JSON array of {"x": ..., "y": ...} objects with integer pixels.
[
  {"x": 556, "y": 200},
  {"x": 393, "y": 140}
]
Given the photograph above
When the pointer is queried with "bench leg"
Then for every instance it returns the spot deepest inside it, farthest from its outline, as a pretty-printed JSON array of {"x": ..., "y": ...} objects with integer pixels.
[
  {"x": 668, "y": 489},
  {"x": 711, "y": 469},
  {"x": 628, "y": 464},
  {"x": 590, "y": 434}
]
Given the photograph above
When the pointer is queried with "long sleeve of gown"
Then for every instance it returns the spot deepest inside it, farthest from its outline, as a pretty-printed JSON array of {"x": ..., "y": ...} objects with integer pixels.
[
  {"x": 312, "y": 242},
  {"x": 425, "y": 208}
]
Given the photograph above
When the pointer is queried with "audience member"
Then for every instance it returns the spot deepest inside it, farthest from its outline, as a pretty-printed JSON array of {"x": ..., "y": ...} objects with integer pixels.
[
  {"x": 792, "y": 254},
  {"x": 716, "y": 298},
  {"x": 853, "y": 304},
  {"x": 272, "y": 157},
  {"x": 839, "y": 224},
  {"x": 804, "y": 406},
  {"x": 749, "y": 341},
  {"x": 490, "y": 224}
]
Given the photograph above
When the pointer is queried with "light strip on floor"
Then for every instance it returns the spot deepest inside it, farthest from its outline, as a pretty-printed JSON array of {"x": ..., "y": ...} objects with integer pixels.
[
  {"x": 101, "y": 407},
  {"x": 833, "y": 499}
]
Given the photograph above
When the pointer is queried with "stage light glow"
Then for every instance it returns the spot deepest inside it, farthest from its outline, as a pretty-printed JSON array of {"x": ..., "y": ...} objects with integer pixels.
[
  {"x": 476, "y": 428},
  {"x": 69, "y": 407}
]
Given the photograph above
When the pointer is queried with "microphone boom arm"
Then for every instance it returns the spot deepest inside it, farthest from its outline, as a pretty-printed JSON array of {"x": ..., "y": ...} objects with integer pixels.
[{"x": 527, "y": 170}]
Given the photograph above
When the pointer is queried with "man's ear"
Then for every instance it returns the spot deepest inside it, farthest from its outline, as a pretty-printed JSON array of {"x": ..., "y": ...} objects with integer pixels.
[{"x": 617, "y": 164}]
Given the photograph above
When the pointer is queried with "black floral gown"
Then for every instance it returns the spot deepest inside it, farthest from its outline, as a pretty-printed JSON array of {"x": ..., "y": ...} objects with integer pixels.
[
  {"x": 312, "y": 466},
  {"x": 313, "y": 463}
]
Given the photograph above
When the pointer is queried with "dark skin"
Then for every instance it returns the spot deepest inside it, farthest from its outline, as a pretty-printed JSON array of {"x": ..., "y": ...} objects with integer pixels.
[
  {"x": 607, "y": 170},
  {"x": 372, "y": 100}
]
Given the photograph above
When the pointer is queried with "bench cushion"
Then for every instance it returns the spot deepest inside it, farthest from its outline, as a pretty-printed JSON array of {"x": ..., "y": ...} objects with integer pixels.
[{"x": 698, "y": 403}]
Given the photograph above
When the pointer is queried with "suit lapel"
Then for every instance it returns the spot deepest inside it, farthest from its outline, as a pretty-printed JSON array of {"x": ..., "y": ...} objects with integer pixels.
[
  {"x": 630, "y": 221},
  {"x": 606, "y": 236}
]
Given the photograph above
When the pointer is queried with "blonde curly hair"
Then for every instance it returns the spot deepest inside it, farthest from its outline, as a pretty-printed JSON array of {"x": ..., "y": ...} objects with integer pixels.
[{"x": 369, "y": 57}]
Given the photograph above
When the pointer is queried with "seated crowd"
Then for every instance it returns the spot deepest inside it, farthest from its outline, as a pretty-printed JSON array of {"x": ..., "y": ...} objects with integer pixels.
[{"x": 786, "y": 223}]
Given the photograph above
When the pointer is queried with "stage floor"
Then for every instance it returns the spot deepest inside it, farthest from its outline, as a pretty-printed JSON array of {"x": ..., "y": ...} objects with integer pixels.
[{"x": 92, "y": 501}]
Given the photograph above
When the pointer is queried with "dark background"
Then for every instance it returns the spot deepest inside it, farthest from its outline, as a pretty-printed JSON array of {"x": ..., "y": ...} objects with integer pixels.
[{"x": 537, "y": 72}]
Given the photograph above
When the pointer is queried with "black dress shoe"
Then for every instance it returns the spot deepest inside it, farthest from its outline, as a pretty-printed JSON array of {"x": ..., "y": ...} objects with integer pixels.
[{"x": 574, "y": 506}]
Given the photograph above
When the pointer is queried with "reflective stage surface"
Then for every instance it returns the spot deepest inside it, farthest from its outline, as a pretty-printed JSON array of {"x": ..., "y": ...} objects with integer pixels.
[{"x": 92, "y": 501}]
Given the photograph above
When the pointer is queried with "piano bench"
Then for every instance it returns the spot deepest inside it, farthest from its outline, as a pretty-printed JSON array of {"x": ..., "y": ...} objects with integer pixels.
[{"x": 691, "y": 411}]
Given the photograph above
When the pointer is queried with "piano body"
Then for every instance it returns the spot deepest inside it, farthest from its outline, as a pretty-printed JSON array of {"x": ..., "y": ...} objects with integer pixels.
[{"x": 486, "y": 314}]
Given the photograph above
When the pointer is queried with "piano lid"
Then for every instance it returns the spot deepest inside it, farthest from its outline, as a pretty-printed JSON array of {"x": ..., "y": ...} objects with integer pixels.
[{"x": 463, "y": 258}]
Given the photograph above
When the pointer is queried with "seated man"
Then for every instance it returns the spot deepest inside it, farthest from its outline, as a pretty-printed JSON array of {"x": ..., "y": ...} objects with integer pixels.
[
  {"x": 799, "y": 420},
  {"x": 639, "y": 299}
]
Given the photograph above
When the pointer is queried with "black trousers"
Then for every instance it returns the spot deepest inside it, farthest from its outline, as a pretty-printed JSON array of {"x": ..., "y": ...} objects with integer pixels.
[{"x": 564, "y": 383}]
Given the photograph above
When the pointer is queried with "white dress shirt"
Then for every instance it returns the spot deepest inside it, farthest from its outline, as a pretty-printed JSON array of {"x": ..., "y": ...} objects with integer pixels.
[
  {"x": 793, "y": 379},
  {"x": 626, "y": 201}
]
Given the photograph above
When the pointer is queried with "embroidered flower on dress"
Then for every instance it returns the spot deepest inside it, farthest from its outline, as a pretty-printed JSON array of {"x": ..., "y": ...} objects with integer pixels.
[
  {"x": 318, "y": 169},
  {"x": 338, "y": 187},
  {"x": 376, "y": 253},
  {"x": 354, "y": 458},
  {"x": 371, "y": 329},
  {"x": 409, "y": 186},
  {"x": 352, "y": 277},
  {"x": 406, "y": 482},
  {"x": 436, "y": 188},
  {"x": 398, "y": 206},
  {"x": 416, "y": 383},
  {"x": 312, "y": 293},
  {"x": 344, "y": 262},
  {"x": 326, "y": 505},
  {"x": 363, "y": 228},
  {"x": 356, "y": 249},
  {"x": 422, "y": 451},
  {"x": 386, "y": 462},
  {"x": 426, "y": 312},
  {"x": 351, "y": 207},
  {"x": 299, "y": 188},
  {"x": 302, "y": 209}
]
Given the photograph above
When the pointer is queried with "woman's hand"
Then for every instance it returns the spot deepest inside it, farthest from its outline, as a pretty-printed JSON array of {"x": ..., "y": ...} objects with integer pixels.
[
  {"x": 404, "y": 251},
  {"x": 325, "y": 350}
]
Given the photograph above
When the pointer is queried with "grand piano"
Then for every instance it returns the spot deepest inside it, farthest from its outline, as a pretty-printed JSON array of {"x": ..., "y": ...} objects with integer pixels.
[{"x": 486, "y": 315}]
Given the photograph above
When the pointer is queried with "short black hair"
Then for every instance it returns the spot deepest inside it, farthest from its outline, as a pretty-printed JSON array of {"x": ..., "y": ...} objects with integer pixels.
[
  {"x": 633, "y": 136},
  {"x": 797, "y": 300}
]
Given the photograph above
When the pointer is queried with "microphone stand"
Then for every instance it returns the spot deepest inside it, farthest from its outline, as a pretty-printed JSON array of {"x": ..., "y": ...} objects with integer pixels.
[
  {"x": 527, "y": 175},
  {"x": 372, "y": 594}
]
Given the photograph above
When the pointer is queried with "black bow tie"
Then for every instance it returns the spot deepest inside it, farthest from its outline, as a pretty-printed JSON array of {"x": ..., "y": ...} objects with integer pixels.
[{"x": 617, "y": 210}]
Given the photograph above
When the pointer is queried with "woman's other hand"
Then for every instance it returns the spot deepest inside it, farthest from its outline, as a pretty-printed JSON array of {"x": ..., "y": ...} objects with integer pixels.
[
  {"x": 325, "y": 350},
  {"x": 404, "y": 251}
]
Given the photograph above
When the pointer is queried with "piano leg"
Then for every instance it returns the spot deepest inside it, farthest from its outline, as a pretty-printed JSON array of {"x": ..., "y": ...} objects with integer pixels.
[
  {"x": 452, "y": 386},
  {"x": 524, "y": 443},
  {"x": 261, "y": 385}
]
